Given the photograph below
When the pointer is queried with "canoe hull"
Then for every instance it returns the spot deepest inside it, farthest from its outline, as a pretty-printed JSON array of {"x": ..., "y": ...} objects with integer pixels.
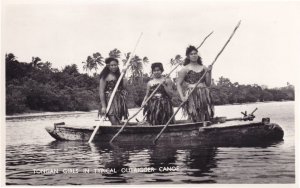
[{"x": 236, "y": 133}]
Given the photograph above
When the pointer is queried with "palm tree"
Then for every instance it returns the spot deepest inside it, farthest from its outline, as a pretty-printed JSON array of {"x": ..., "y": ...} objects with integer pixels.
[
  {"x": 10, "y": 58},
  {"x": 145, "y": 60},
  {"x": 176, "y": 60},
  {"x": 115, "y": 53},
  {"x": 86, "y": 64},
  {"x": 136, "y": 65},
  {"x": 92, "y": 62},
  {"x": 98, "y": 59},
  {"x": 36, "y": 62},
  {"x": 127, "y": 55},
  {"x": 71, "y": 69}
]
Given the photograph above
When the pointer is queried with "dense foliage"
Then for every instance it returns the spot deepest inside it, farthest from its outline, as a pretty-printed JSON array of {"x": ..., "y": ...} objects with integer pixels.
[
  {"x": 36, "y": 86},
  {"x": 225, "y": 92}
]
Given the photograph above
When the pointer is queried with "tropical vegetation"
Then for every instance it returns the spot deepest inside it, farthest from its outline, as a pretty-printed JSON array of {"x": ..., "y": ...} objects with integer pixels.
[{"x": 37, "y": 86}]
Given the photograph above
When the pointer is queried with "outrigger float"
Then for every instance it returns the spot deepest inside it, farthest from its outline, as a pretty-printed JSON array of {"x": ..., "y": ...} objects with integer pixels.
[{"x": 219, "y": 130}]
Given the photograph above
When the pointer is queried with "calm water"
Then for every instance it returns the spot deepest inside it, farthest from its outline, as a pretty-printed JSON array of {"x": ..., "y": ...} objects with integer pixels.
[{"x": 30, "y": 150}]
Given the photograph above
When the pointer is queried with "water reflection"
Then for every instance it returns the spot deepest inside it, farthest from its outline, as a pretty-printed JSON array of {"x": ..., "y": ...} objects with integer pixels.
[
  {"x": 197, "y": 160},
  {"x": 197, "y": 163},
  {"x": 188, "y": 163},
  {"x": 201, "y": 161},
  {"x": 162, "y": 156}
]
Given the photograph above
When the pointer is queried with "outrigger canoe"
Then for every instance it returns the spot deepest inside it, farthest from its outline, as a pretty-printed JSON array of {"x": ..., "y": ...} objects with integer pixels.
[{"x": 234, "y": 132}]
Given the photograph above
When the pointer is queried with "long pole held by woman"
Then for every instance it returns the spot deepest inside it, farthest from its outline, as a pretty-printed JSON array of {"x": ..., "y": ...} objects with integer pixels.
[
  {"x": 151, "y": 95},
  {"x": 183, "y": 102},
  {"x": 114, "y": 91}
]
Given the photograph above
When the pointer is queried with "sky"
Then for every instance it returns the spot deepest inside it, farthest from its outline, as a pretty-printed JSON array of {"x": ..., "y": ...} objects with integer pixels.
[{"x": 264, "y": 50}]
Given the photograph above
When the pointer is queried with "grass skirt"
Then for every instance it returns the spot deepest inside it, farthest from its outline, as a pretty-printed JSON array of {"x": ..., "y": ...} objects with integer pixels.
[
  {"x": 118, "y": 107},
  {"x": 159, "y": 110},
  {"x": 199, "y": 106}
]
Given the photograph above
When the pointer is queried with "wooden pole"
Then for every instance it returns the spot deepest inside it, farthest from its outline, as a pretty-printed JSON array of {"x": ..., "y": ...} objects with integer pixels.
[
  {"x": 150, "y": 96},
  {"x": 253, "y": 111},
  {"x": 183, "y": 102},
  {"x": 115, "y": 90},
  {"x": 204, "y": 40}
]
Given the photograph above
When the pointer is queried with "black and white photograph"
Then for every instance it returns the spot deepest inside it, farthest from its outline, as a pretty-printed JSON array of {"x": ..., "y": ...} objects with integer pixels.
[{"x": 149, "y": 92}]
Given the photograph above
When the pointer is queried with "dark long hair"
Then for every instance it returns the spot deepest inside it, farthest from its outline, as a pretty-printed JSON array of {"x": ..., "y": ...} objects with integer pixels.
[
  {"x": 157, "y": 64},
  {"x": 187, "y": 52},
  {"x": 104, "y": 73}
]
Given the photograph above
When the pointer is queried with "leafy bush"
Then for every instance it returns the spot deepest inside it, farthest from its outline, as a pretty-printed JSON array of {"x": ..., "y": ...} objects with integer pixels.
[{"x": 36, "y": 86}]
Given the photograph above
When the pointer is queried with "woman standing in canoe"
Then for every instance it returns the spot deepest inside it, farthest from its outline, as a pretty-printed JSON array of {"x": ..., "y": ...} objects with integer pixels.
[
  {"x": 108, "y": 79},
  {"x": 159, "y": 108},
  {"x": 199, "y": 106}
]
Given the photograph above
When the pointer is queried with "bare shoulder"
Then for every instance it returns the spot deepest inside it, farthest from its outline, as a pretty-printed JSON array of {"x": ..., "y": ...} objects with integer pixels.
[
  {"x": 168, "y": 80},
  {"x": 149, "y": 82},
  {"x": 110, "y": 77},
  {"x": 204, "y": 67},
  {"x": 183, "y": 71},
  {"x": 102, "y": 80}
]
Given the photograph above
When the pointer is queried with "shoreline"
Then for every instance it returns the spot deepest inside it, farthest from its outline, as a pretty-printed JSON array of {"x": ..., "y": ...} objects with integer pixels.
[{"x": 46, "y": 114}]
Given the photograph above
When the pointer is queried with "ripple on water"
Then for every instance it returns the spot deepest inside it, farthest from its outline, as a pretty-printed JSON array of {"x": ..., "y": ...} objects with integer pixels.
[{"x": 35, "y": 149}]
